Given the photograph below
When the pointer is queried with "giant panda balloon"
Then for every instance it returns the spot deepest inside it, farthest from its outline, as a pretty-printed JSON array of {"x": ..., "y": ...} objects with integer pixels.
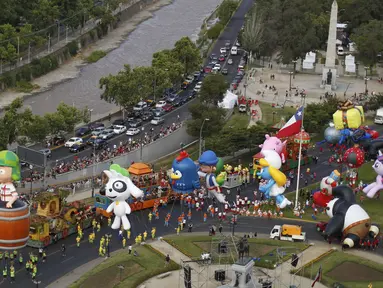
[{"x": 348, "y": 218}]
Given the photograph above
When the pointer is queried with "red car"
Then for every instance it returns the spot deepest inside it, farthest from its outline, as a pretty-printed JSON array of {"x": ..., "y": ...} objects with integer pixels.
[
  {"x": 221, "y": 58},
  {"x": 168, "y": 107},
  {"x": 208, "y": 69}
]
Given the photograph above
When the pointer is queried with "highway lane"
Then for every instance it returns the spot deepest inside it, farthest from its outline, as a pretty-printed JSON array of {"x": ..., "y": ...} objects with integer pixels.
[{"x": 229, "y": 34}]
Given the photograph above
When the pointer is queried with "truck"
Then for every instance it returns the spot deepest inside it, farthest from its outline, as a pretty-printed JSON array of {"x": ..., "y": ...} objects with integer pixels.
[
  {"x": 379, "y": 116},
  {"x": 287, "y": 233},
  {"x": 242, "y": 108}
]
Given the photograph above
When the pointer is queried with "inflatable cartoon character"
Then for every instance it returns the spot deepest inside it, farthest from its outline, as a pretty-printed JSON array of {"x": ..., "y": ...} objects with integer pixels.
[
  {"x": 9, "y": 172},
  {"x": 275, "y": 178},
  {"x": 118, "y": 187},
  {"x": 322, "y": 197},
  {"x": 348, "y": 218},
  {"x": 184, "y": 177},
  {"x": 208, "y": 161},
  {"x": 373, "y": 188},
  {"x": 274, "y": 143}
]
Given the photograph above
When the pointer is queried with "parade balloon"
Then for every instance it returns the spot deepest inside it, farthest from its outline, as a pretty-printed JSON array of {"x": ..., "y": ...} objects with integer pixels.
[
  {"x": 331, "y": 135},
  {"x": 348, "y": 218},
  {"x": 118, "y": 188},
  {"x": 327, "y": 184},
  {"x": 219, "y": 166},
  {"x": 15, "y": 220},
  {"x": 354, "y": 157},
  {"x": 274, "y": 143},
  {"x": 184, "y": 177},
  {"x": 376, "y": 186}
]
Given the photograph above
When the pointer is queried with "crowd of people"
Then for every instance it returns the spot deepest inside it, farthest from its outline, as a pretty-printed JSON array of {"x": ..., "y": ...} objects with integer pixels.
[{"x": 79, "y": 163}]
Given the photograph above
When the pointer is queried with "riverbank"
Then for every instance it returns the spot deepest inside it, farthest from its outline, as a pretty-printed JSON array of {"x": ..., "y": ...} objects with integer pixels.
[{"x": 72, "y": 68}]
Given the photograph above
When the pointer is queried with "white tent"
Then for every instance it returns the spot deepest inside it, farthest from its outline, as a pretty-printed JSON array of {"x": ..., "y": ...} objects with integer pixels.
[
  {"x": 350, "y": 63},
  {"x": 229, "y": 101},
  {"x": 308, "y": 62}
]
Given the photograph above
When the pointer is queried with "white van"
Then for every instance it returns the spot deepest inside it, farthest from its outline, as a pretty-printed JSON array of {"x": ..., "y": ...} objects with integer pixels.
[
  {"x": 234, "y": 50},
  {"x": 340, "y": 50},
  {"x": 379, "y": 116}
]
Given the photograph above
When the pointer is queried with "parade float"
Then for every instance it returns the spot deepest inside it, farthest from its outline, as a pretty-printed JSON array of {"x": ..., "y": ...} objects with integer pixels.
[
  {"x": 55, "y": 219},
  {"x": 154, "y": 185},
  {"x": 375, "y": 187},
  {"x": 287, "y": 148},
  {"x": 14, "y": 213}
]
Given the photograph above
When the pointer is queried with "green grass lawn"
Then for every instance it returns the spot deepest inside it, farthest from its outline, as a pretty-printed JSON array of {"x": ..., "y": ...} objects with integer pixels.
[
  {"x": 237, "y": 120},
  {"x": 267, "y": 113},
  {"x": 136, "y": 270},
  {"x": 349, "y": 270},
  {"x": 263, "y": 249}
]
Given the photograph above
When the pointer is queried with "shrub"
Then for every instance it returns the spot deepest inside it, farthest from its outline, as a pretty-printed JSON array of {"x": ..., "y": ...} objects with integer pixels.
[
  {"x": 73, "y": 48},
  {"x": 92, "y": 34},
  {"x": 214, "y": 32},
  {"x": 25, "y": 87},
  {"x": 95, "y": 56},
  {"x": 99, "y": 32}
]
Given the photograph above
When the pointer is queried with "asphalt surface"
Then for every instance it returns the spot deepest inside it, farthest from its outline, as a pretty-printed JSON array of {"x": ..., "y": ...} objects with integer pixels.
[{"x": 230, "y": 34}]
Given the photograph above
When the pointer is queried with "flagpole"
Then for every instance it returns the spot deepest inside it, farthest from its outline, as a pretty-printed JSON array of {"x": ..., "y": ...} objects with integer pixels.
[{"x": 299, "y": 158}]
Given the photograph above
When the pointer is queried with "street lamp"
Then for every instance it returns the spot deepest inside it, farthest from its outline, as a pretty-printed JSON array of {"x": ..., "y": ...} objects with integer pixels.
[
  {"x": 90, "y": 114},
  {"x": 200, "y": 135},
  {"x": 93, "y": 168},
  {"x": 31, "y": 174},
  {"x": 141, "y": 144},
  {"x": 234, "y": 222},
  {"x": 365, "y": 81},
  {"x": 295, "y": 67},
  {"x": 274, "y": 116},
  {"x": 291, "y": 74},
  {"x": 109, "y": 237},
  {"x": 121, "y": 267}
]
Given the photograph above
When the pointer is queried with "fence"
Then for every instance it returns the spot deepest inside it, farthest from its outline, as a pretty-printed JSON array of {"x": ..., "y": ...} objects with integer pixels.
[
  {"x": 154, "y": 150},
  {"x": 54, "y": 38}
]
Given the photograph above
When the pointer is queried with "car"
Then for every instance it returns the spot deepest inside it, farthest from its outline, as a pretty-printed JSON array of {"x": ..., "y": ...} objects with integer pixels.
[
  {"x": 91, "y": 140},
  {"x": 97, "y": 131},
  {"x": 224, "y": 71},
  {"x": 168, "y": 107},
  {"x": 119, "y": 129},
  {"x": 72, "y": 141},
  {"x": 107, "y": 134},
  {"x": 56, "y": 140},
  {"x": 47, "y": 152},
  {"x": 133, "y": 131},
  {"x": 77, "y": 147},
  {"x": 177, "y": 102},
  {"x": 183, "y": 100},
  {"x": 238, "y": 79},
  {"x": 171, "y": 98},
  {"x": 140, "y": 106},
  {"x": 157, "y": 121},
  {"x": 161, "y": 104},
  {"x": 213, "y": 62},
  {"x": 99, "y": 144},
  {"x": 192, "y": 94},
  {"x": 230, "y": 61},
  {"x": 208, "y": 68},
  {"x": 118, "y": 122},
  {"x": 197, "y": 74},
  {"x": 222, "y": 50},
  {"x": 185, "y": 85},
  {"x": 151, "y": 103},
  {"x": 237, "y": 44},
  {"x": 82, "y": 131},
  {"x": 158, "y": 112},
  {"x": 198, "y": 86},
  {"x": 218, "y": 66},
  {"x": 221, "y": 58},
  {"x": 234, "y": 85},
  {"x": 190, "y": 78},
  {"x": 215, "y": 70},
  {"x": 227, "y": 45},
  {"x": 93, "y": 126},
  {"x": 213, "y": 56},
  {"x": 136, "y": 123},
  {"x": 147, "y": 116}
]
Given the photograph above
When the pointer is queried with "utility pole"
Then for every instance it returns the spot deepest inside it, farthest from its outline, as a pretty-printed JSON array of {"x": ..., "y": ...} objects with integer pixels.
[
  {"x": 29, "y": 52},
  {"x": 18, "y": 49},
  {"x": 66, "y": 34},
  {"x": 49, "y": 43},
  {"x": 58, "y": 32}
]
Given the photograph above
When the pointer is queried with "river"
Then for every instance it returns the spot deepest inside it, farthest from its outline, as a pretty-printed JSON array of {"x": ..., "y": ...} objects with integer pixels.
[{"x": 169, "y": 24}]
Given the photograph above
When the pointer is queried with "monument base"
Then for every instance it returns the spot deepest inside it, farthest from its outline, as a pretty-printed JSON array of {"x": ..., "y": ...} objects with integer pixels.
[
  {"x": 324, "y": 83},
  {"x": 242, "y": 274}
]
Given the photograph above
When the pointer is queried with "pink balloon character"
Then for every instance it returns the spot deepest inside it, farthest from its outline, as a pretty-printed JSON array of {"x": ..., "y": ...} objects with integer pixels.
[
  {"x": 376, "y": 186},
  {"x": 274, "y": 143}
]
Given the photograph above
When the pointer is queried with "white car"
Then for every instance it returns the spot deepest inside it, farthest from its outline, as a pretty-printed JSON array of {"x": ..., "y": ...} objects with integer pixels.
[
  {"x": 97, "y": 131},
  {"x": 140, "y": 106},
  {"x": 198, "y": 86},
  {"x": 119, "y": 129},
  {"x": 222, "y": 50},
  {"x": 72, "y": 141},
  {"x": 157, "y": 121},
  {"x": 230, "y": 61},
  {"x": 217, "y": 66},
  {"x": 132, "y": 131},
  {"x": 161, "y": 104}
]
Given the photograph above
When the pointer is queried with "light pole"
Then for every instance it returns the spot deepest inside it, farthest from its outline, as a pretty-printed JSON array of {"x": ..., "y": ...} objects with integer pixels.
[
  {"x": 234, "y": 222},
  {"x": 90, "y": 114},
  {"x": 365, "y": 81},
  {"x": 200, "y": 135},
  {"x": 94, "y": 168},
  {"x": 274, "y": 116},
  {"x": 141, "y": 144},
  {"x": 31, "y": 172},
  {"x": 295, "y": 67},
  {"x": 121, "y": 267},
  {"x": 291, "y": 74}
]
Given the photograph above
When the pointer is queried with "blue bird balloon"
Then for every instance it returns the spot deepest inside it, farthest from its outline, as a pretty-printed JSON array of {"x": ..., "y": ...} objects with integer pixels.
[{"x": 184, "y": 177}]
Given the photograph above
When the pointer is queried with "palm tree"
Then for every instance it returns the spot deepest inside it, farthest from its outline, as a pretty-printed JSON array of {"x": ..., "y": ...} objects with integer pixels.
[{"x": 252, "y": 37}]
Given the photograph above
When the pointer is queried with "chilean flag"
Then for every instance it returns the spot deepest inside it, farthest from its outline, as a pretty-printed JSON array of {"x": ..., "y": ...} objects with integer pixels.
[{"x": 293, "y": 126}]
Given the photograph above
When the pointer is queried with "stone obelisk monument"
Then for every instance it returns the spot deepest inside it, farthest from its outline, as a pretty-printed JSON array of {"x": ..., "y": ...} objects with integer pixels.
[{"x": 329, "y": 70}]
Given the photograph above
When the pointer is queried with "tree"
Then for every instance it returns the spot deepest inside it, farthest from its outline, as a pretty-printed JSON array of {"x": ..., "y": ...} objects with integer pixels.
[
  {"x": 187, "y": 53},
  {"x": 122, "y": 89},
  {"x": 199, "y": 113},
  {"x": 38, "y": 129},
  {"x": 11, "y": 53},
  {"x": 226, "y": 9},
  {"x": 318, "y": 115},
  {"x": 369, "y": 41},
  {"x": 71, "y": 116},
  {"x": 159, "y": 80},
  {"x": 214, "y": 32},
  {"x": 166, "y": 61},
  {"x": 252, "y": 36},
  {"x": 46, "y": 13},
  {"x": 55, "y": 122},
  {"x": 213, "y": 89}
]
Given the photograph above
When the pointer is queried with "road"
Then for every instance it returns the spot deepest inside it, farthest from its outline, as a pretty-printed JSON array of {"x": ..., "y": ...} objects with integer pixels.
[{"x": 230, "y": 34}]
